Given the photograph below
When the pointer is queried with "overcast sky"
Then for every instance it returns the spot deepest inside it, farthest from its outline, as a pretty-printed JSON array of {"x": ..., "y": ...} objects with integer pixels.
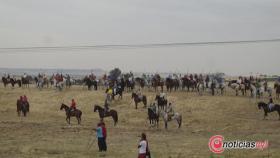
[{"x": 33, "y": 23}]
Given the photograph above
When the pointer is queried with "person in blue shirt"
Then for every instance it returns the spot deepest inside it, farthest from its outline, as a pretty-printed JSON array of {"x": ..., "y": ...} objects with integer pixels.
[{"x": 99, "y": 135}]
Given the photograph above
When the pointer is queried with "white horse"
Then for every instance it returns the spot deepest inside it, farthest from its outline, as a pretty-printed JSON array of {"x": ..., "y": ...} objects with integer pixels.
[
  {"x": 200, "y": 88},
  {"x": 236, "y": 87},
  {"x": 61, "y": 84},
  {"x": 176, "y": 116}
]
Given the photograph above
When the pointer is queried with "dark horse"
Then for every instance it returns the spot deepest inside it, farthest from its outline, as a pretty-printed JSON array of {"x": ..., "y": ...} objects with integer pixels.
[
  {"x": 162, "y": 102},
  {"x": 90, "y": 83},
  {"x": 189, "y": 83},
  {"x": 171, "y": 84},
  {"x": 277, "y": 89},
  {"x": 69, "y": 113},
  {"x": 267, "y": 110},
  {"x": 26, "y": 81},
  {"x": 137, "y": 100},
  {"x": 102, "y": 113},
  {"x": 117, "y": 91},
  {"x": 156, "y": 82},
  {"x": 140, "y": 82},
  {"x": 153, "y": 117},
  {"x": 22, "y": 107},
  {"x": 11, "y": 81}
]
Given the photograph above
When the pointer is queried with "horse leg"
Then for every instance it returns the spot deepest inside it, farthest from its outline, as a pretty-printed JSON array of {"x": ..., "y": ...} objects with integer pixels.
[
  {"x": 279, "y": 113},
  {"x": 165, "y": 124},
  {"x": 265, "y": 114},
  {"x": 77, "y": 117},
  {"x": 157, "y": 122},
  {"x": 136, "y": 105}
]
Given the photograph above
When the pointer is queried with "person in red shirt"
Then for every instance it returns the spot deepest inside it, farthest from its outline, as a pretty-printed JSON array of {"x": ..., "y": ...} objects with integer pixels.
[
  {"x": 73, "y": 105},
  {"x": 104, "y": 133}
]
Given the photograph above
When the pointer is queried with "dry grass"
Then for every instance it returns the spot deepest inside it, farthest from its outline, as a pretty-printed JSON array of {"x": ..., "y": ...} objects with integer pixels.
[{"x": 45, "y": 133}]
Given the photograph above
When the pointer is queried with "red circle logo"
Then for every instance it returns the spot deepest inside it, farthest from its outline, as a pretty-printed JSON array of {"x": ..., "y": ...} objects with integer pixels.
[{"x": 216, "y": 144}]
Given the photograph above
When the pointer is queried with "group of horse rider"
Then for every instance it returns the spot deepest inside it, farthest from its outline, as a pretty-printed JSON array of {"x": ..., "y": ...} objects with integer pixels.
[{"x": 169, "y": 107}]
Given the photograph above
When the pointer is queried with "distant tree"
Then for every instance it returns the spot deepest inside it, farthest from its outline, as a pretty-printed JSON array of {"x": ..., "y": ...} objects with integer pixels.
[{"x": 115, "y": 73}]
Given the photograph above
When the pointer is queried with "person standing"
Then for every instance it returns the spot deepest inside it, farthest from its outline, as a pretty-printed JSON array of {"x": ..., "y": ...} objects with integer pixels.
[
  {"x": 99, "y": 136},
  {"x": 104, "y": 133},
  {"x": 143, "y": 147}
]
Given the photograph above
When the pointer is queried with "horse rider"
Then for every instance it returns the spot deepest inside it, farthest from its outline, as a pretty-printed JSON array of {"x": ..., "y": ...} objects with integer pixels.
[
  {"x": 169, "y": 111},
  {"x": 139, "y": 94},
  {"x": 73, "y": 105},
  {"x": 154, "y": 108},
  {"x": 106, "y": 107},
  {"x": 162, "y": 95},
  {"x": 270, "y": 104},
  {"x": 24, "y": 75},
  {"x": 108, "y": 92}
]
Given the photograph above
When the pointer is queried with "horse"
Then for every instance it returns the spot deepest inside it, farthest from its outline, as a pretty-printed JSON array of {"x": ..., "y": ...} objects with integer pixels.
[
  {"x": 22, "y": 107},
  {"x": 200, "y": 88},
  {"x": 69, "y": 113},
  {"x": 189, "y": 83},
  {"x": 153, "y": 117},
  {"x": 156, "y": 82},
  {"x": 140, "y": 82},
  {"x": 161, "y": 102},
  {"x": 130, "y": 84},
  {"x": 137, "y": 99},
  {"x": 11, "y": 81},
  {"x": 169, "y": 83},
  {"x": 277, "y": 89},
  {"x": 177, "y": 117},
  {"x": 266, "y": 109},
  {"x": 69, "y": 82},
  {"x": 235, "y": 86},
  {"x": 102, "y": 114},
  {"x": 26, "y": 81},
  {"x": 117, "y": 91},
  {"x": 90, "y": 83}
]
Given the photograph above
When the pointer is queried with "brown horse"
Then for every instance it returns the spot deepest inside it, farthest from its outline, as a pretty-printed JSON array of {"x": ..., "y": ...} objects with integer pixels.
[
  {"x": 102, "y": 113},
  {"x": 156, "y": 82},
  {"x": 137, "y": 99},
  {"x": 69, "y": 113}
]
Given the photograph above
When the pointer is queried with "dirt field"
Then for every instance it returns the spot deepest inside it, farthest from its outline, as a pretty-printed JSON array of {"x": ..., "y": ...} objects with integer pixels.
[{"x": 45, "y": 133}]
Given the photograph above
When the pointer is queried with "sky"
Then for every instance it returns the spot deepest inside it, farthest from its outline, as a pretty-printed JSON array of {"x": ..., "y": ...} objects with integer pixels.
[{"x": 40, "y": 23}]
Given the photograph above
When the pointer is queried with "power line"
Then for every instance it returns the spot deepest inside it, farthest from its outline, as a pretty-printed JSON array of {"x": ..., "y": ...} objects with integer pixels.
[{"x": 148, "y": 45}]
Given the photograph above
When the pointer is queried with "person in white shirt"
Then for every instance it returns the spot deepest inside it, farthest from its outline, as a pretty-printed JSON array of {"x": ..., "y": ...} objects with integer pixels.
[{"x": 143, "y": 147}]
